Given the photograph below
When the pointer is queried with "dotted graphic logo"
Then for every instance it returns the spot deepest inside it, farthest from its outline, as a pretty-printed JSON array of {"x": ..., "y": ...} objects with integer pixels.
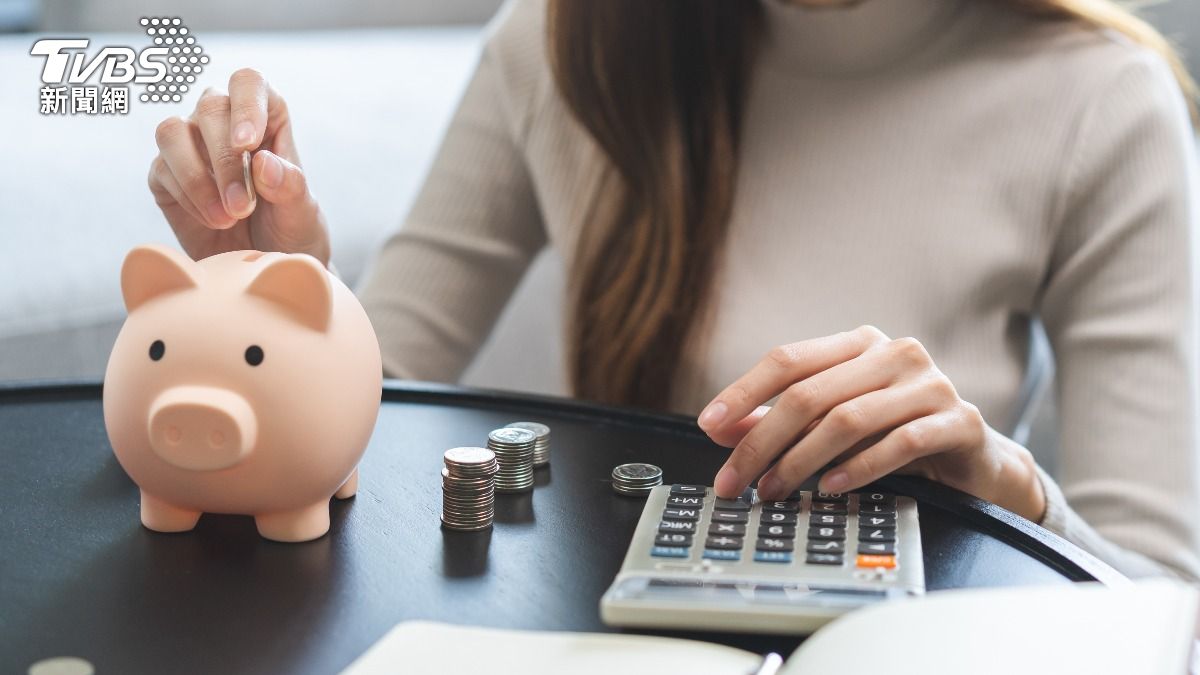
[{"x": 185, "y": 59}]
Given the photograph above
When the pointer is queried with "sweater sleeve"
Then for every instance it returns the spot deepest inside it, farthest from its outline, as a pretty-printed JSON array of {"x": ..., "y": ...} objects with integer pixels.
[
  {"x": 439, "y": 283},
  {"x": 1119, "y": 310}
]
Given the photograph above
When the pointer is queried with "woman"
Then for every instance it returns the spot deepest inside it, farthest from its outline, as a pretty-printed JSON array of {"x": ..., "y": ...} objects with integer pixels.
[{"x": 721, "y": 177}]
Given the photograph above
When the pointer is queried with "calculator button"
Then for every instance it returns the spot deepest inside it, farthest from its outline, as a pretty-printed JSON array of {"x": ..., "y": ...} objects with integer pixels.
[
  {"x": 689, "y": 490},
  {"x": 876, "y": 509},
  {"x": 827, "y": 533},
  {"x": 835, "y": 497},
  {"x": 888, "y": 561},
  {"x": 785, "y": 531},
  {"x": 879, "y": 520},
  {"x": 722, "y": 554},
  {"x": 774, "y": 544},
  {"x": 773, "y": 556},
  {"x": 685, "y": 502},
  {"x": 877, "y": 547},
  {"x": 826, "y": 547},
  {"x": 877, "y": 534},
  {"x": 681, "y": 514},
  {"x": 786, "y": 506},
  {"x": 741, "y": 503},
  {"x": 831, "y": 508},
  {"x": 723, "y": 542},
  {"x": 877, "y": 498},
  {"x": 777, "y": 518},
  {"x": 730, "y": 516},
  {"x": 729, "y": 529},
  {"x": 826, "y": 519},
  {"x": 823, "y": 559},
  {"x": 673, "y": 539},
  {"x": 685, "y": 526},
  {"x": 669, "y": 552}
]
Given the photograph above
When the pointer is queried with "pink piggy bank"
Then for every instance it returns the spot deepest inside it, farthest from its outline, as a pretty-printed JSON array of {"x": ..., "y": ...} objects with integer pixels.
[{"x": 244, "y": 383}]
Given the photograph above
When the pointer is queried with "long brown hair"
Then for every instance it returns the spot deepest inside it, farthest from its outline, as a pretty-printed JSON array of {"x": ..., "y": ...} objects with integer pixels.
[{"x": 659, "y": 85}]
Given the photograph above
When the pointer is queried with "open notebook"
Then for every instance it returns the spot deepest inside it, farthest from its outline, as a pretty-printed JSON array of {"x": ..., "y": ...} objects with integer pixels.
[{"x": 1146, "y": 627}]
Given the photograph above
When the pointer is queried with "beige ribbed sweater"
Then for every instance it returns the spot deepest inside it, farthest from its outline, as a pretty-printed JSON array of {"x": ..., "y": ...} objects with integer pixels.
[{"x": 943, "y": 169}]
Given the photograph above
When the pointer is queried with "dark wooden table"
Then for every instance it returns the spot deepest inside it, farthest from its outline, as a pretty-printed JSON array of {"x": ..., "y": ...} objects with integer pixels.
[{"x": 79, "y": 576}]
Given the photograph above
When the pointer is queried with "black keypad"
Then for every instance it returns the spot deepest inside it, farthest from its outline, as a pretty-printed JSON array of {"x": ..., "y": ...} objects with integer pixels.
[
  {"x": 823, "y": 559},
  {"x": 877, "y": 520},
  {"x": 877, "y": 534},
  {"x": 673, "y": 539},
  {"x": 835, "y": 497},
  {"x": 681, "y": 514},
  {"x": 727, "y": 529},
  {"x": 685, "y": 526},
  {"x": 876, "y": 509},
  {"x": 877, "y": 547},
  {"x": 723, "y": 543},
  {"x": 730, "y": 516},
  {"x": 830, "y": 546},
  {"x": 832, "y": 508},
  {"x": 837, "y": 533},
  {"x": 787, "y": 506},
  {"x": 774, "y": 544},
  {"x": 689, "y": 490},
  {"x": 777, "y": 518},
  {"x": 827, "y": 519},
  {"x": 786, "y": 531},
  {"x": 682, "y": 501}
]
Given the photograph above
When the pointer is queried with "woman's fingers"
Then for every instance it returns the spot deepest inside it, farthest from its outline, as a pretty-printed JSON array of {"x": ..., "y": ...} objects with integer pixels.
[
  {"x": 212, "y": 117},
  {"x": 729, "y": 435},
  {"x": 849, "y": 423},
  {"x": 180, "y": 147},
  {"x": 944, "y": 431},
  {"x": 169, "y": 197},
  {"x": 248, "y": 110},
  {"x": 782, "y": 367},
  {"x": 798, "y": 407}
]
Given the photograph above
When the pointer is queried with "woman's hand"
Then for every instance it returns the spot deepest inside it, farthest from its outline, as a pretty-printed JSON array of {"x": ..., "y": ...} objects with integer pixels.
[
  {"x": 197, "y": 178},
  {"x": 872, "y": 406}
]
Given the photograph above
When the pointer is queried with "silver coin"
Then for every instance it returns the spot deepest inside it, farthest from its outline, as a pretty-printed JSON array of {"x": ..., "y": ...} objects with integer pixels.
[
  {"x": 509, "y": 436},
  {"x": 469, "y": 456},
  {"x": 637, "y": 472},
  {"x": 538, "y": 428},
  {"x": 247, "y": 178}
]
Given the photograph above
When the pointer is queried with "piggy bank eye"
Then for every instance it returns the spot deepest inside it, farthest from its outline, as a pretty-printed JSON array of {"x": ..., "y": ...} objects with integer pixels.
[
  {"x": 254, "y": 355},
  {"x": 157, "y": 348}
]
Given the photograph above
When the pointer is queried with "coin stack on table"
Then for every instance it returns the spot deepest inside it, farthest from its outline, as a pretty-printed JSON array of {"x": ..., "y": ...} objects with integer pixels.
[
  {"x": 637, "y": 479},
  {"x": 514, "y": 455},
  {"x": 541, "y": 447},
  {"x": 468, "y": 488}
]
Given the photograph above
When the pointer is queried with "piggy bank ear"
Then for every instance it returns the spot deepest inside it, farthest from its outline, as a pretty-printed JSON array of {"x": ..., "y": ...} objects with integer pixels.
[
  {"x": 300, "y": 286},
  {"x": 152, "y": 270}
]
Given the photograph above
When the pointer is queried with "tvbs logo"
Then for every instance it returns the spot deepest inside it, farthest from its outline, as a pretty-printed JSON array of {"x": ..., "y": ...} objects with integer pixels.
[{"x": 166, "y": 68}]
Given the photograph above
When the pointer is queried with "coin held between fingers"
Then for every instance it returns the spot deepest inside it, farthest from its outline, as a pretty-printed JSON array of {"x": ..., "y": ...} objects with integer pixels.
[{"x": 248, "y": 179}]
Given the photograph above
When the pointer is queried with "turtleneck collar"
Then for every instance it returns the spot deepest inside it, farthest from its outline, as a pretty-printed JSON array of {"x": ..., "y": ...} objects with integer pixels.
[{"x": 857, "y": 38}]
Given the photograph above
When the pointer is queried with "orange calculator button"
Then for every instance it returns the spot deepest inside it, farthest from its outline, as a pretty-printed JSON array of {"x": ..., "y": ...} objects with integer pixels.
[{"x": 888, "y": 561}]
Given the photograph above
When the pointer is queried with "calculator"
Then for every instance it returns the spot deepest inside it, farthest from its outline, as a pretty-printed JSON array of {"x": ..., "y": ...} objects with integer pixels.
[{"x": 790, "y": 566}]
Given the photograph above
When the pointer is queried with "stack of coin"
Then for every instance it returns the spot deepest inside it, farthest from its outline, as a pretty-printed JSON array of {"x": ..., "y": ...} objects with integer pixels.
[
  {"x": 514, "y": 455},
  {"x": 637, "y": 479},
  {"x": 468, "y": 488},
  {"x": 541, "y": 447}
]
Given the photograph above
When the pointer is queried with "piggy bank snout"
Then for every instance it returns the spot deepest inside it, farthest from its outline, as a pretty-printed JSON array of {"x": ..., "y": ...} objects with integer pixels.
[{"x": 202, "y": 428}]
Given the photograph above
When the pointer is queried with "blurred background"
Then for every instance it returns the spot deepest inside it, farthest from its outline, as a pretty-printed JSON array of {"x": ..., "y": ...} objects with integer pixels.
[{"x": 371, "y": 85}]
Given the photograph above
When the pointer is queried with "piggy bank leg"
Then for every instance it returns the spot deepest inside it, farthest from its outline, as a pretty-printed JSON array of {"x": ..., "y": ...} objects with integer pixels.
[
  {"x": 160, "y": 516},
  {"x": 303, "y": 524},
  {"x": 349, "y": 488}
]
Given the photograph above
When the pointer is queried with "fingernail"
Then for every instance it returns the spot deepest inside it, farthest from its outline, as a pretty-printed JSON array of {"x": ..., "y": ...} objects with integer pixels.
[
  {"x": 217, "y": 215},
  {"x": 236, "y": 197},
  {"x": 243, "y": 135},
  {"x": 768, "y": 487},
  {"x": 834, "y": 482},
  {"x": 272, "y": 170},
  {"x": 713, "y": 414},
  {"x": 727, "y": 483}
]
